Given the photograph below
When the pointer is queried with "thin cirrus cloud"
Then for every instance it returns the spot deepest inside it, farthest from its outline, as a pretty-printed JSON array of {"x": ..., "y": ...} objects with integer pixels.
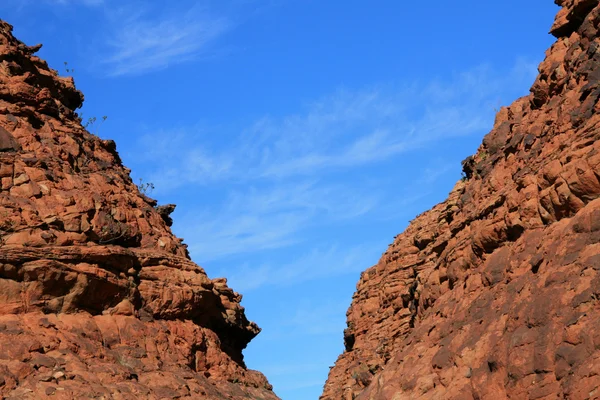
[
  {"x": 254, "y": 219},
  {"x": 281, "y": 178},
  {"x": 139, "y": 43},
  {"x": 316, "y": 264},
  {"x": 341, "y": 131}
]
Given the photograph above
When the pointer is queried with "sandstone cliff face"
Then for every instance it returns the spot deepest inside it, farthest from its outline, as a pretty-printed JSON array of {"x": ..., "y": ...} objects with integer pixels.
[
  {"x": 495, "y": 293},
  {"x": 98, "y": 298}
]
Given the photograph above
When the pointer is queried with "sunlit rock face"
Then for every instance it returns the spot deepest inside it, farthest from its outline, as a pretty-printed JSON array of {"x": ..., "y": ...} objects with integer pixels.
[
  {"x": 98, "y": 299},
  {"x": 495, "y": 293}
]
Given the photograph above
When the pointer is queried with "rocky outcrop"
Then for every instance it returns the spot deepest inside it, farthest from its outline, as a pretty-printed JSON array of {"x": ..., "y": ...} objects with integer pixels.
[
  {"x": 495, "y": 293},
  {"x": 97, "y": 297}
]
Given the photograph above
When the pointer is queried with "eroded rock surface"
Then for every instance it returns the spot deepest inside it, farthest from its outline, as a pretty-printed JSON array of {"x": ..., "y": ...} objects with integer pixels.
[
  {"x": 98, "y": 299},
  {"x": 495, "y": 293}
]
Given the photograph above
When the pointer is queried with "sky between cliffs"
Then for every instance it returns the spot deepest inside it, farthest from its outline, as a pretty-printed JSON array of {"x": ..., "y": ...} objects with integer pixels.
[{"x": 297, "y": 137}]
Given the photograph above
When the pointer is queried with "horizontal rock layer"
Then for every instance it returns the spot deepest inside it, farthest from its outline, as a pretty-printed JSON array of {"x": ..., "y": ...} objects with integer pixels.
[
  {"x": 494, "y": 293},
  {"x": 97, "y": 296}
]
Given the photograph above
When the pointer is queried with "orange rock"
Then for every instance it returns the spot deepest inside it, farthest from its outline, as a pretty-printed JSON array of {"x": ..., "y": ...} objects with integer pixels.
[
  {"x": 98, "y": 299},
  {"x": 502, "y": 298}
]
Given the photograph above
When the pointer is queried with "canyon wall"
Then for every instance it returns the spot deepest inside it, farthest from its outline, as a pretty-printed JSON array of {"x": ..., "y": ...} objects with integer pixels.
[
  {"x": 495, "y": 293},
  {"x": 98, "y": 299}
]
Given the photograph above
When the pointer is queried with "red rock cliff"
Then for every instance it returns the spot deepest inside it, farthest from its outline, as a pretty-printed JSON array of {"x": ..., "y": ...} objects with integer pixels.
[
  {"x": 495, "y": 293},
  {"x": 98, "y": 299}
]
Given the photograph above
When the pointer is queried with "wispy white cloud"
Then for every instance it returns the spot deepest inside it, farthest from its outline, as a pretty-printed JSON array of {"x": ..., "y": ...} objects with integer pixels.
[
  {"x": 140, "y": 42},
  {"x": 284, "y": 176},
  {"x": 259, "y": 218},
  {"x": 316, "y": 264},
  {"x": 252, "y": 219},
  {"x": 344, "y": 130}
]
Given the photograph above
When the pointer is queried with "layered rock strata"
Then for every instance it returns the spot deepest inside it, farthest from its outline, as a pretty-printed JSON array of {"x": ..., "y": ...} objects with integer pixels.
[
  {"x": 495, "y": 293},
  {"x": 98, "y": 299}
]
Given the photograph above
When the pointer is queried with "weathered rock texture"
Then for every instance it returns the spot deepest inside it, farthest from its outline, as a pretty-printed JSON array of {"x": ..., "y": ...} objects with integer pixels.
[
  {"x": 98, "y": 299},
  {"x": 495, "y": 293}
]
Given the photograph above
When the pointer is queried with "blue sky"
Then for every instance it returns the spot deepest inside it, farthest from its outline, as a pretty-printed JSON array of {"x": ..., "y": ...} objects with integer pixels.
[{"x": 297, "y": 137}]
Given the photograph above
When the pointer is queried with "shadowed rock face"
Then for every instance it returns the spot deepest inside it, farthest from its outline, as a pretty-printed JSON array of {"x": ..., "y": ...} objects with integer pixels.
[
  {"x": 97, "y": 297},
  {"x": 495, "y": 293}
]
